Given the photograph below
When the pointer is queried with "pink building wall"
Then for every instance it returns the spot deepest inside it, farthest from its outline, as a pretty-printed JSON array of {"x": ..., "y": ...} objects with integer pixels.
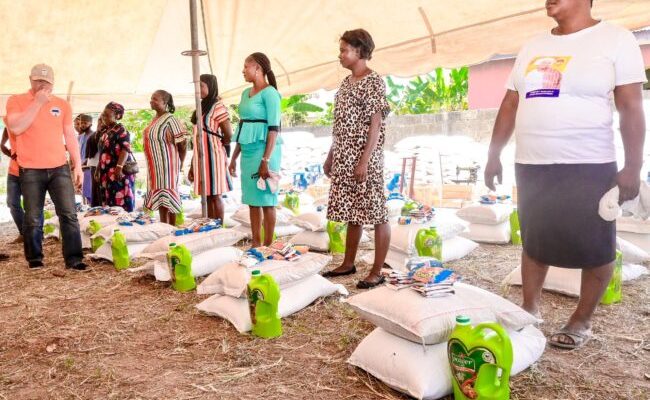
[
  {"x": 486, "y": 83},
  {"x": 487, "y": 80}
]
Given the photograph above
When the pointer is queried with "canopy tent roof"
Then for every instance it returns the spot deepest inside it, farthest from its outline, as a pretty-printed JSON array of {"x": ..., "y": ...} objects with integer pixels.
[{"x": 103, "y": 50}]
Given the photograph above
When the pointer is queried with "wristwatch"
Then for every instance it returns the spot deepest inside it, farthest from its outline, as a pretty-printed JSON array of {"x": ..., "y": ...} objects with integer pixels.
[{"x": 266, "y": 159}]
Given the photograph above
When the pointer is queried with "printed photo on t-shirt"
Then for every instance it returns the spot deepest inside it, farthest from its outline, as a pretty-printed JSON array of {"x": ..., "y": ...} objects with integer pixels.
[{"x": 544, "y": 76}]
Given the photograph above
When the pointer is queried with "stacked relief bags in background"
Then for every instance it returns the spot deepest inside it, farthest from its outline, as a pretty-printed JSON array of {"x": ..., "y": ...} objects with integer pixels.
[
  {"x": 488, "y": 223},
  {"x": 448, "y": 226}
]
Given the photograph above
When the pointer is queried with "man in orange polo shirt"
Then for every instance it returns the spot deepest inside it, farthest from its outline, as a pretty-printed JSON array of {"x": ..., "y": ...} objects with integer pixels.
[{"x": 42, "y": 125}]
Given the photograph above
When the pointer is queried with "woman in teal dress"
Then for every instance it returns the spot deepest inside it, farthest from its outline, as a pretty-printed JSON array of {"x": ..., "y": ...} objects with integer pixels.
[{"x": 259, "y": 144}]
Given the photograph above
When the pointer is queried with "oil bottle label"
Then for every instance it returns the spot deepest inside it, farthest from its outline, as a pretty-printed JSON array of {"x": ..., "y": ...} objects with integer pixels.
[
  {"x": 254, "y": 296},
  {"x": 465, "y": 365}
]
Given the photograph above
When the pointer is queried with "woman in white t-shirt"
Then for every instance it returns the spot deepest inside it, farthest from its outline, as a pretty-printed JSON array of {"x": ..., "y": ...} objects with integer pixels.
[{"x": 558, "y": 103}]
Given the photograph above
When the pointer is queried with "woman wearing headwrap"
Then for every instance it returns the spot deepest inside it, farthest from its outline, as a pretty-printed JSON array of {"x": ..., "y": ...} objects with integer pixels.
[
  {"x": 216, "y": 137},
  {"x": 116, "y": 188}
]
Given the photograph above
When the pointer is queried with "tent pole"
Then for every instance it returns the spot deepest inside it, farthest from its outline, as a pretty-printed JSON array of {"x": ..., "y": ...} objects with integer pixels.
[{"x": 199, "y": 113}]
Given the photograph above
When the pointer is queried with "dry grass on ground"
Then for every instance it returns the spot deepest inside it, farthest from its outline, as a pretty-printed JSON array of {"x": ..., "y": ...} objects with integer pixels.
[{"x": 104, "y": 334}]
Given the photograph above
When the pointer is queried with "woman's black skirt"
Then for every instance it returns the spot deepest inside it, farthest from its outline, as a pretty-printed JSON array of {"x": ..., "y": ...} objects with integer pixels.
[{"x": 558, "y": 213}]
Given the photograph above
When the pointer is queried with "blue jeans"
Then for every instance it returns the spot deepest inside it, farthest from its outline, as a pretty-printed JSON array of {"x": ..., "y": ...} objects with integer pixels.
[
  {"x": 34, "y": 183},
  {"x": 13, "y": 201},
  {"x": 14, "y": 195}
]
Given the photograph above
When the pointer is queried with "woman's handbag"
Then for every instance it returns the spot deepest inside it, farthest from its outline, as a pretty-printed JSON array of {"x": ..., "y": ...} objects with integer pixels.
[{"x": 130, "y": 165}]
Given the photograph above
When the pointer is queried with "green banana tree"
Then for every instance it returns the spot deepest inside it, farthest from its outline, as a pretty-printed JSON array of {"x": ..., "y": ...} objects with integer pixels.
[
  {"x": 430, "y": 93},
  {"x": 296, "y": 108}
]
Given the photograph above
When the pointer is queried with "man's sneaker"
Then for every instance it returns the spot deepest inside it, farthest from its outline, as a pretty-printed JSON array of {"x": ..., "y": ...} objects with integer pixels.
[
  {"x": 81, "y": 266},
  {"x": 34, "y": 265}
]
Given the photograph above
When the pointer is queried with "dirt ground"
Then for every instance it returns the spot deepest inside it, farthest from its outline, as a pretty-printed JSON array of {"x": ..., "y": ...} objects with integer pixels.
[{"x": 107, "y": 335}]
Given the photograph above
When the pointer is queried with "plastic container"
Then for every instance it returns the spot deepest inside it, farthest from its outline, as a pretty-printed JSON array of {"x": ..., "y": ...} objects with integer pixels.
[
  {"x": 480, "y": 359},
  {"x": 263, "y": 300},
  {"x": 180, "y": 218},
  {"x": 337, "y": 232},
  {"x": 515, "y": 229},
  {"x": 408, "y": 207},
  {"x": 120, "y": 251},
  {"x": 292, "y": 202},
  {"x": 263, "y": 235},
  {"x": 96, "y": 242},
  {"x": 428, "y": 243},
  {"x": 179, "y": 262},
  {"x": 614, "y": 292},
  {"x": 48, "y": 228}
]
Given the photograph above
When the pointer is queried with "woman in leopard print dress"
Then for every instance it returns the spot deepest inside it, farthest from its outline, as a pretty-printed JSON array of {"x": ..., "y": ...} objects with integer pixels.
[{"x": 355, "y": 162}]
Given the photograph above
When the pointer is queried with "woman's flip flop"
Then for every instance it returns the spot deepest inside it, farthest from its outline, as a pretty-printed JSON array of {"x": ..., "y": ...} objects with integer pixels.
[{"x": 578, "y": 339}]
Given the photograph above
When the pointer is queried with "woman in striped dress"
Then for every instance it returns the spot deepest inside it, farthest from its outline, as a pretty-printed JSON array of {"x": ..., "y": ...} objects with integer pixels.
[
  {"x": 216, "y": 140},
  {"x": 164, "y": 147}
]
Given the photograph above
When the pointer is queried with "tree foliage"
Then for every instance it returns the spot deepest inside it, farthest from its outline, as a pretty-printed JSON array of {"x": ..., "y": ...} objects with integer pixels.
[{"x": 431, "y": 93}]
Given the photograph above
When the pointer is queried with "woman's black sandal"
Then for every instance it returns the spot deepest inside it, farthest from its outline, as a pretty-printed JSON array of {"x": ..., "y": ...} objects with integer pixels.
[
  {"x": 333, "y": 273},
  {"x": 370, "y": 285}
]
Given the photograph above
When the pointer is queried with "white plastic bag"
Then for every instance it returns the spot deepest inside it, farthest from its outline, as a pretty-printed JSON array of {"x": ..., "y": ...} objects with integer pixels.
[
  {"x": 137, "y": 233},
  {"x": 280, "y": 231},
  {"x": 632, "y": 254},
  {"x": 567, "y": 281},
  {"x": 423, "y": 372},
  {"x": 311, "y": 221},
  {"x": 452, "y": 249},
  {"x": 318, "y": 241},
  {"x": 490, "y": 214},
  {"x": 196, "y": 243},
  {"x": 232, "y": 279},
  {"x": 482, "y": 233},
  {"x": 292, "y": 299},
  {"x": 203, "y": 263},
  {"x": 411, "y": 316},
  {"x": 283, "y": 216}
]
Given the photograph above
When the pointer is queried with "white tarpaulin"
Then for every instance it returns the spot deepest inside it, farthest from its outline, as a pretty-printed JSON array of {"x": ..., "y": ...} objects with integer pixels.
[{"x": 106, "y": 50}]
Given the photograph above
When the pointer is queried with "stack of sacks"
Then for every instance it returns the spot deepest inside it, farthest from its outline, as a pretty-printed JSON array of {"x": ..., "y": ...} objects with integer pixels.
[
  {"x": 283, "y": 224},
  {"x": 231, "y": 202},
  {"x": 489, "y": 223},
  {"x": 314, "y": 235},
  {"x": 203, "y": 263},
  {"x": 634, "y": 230},
  {"x": 197, "y": 243},
  {"x": 567, "y": 280},
  {"x": 105, "y": 216},
  {"x": 458, "y": 150},
  {"x": 408, "y": 349},
  {"x": 305, "y": 150},
  {"x": 137, "y": 236},
  {"x": 299, "y": 282},
  {"x": 449, "y": 227}
]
